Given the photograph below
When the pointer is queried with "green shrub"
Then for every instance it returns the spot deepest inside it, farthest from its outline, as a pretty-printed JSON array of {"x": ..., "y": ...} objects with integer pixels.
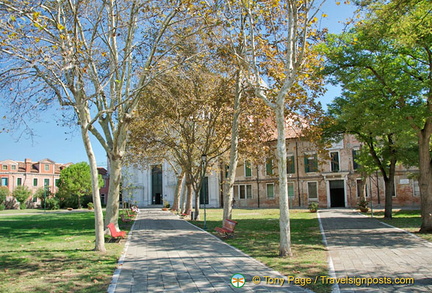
[
  {"x": 52, "y": 203},
  {"x": 313, "y": 207},
  {"x": 67, "y": 201},
  {"x": 22, "y": 194},
  {"x": 71, "y": 201},
  {"x": 2, "y": 207},
  {"x": 4, "y": 192}
]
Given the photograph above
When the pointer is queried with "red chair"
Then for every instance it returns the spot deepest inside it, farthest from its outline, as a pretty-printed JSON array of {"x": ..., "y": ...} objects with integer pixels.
[{"x": 114, "y": 233}]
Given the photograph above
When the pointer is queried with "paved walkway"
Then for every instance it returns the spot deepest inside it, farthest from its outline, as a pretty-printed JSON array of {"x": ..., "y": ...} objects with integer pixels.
[
  {"x": 167, "y": 254},
  {"x": 363, "y": 247}
]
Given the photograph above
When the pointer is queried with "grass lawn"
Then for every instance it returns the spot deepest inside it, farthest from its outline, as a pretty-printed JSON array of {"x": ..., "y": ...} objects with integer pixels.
[
  {"x": 52, "y": 252},
  {"x": 409, "y": 220},
  {"x": 257, "y": 234}
]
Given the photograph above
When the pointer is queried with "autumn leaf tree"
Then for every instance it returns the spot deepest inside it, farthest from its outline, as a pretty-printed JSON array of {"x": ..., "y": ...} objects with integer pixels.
[
  {"x": 182, "y": 117},
  {"x": 281, "y": 61},
  {"x": 94, "y": 58},
  {"x": 249, "y": 117}
]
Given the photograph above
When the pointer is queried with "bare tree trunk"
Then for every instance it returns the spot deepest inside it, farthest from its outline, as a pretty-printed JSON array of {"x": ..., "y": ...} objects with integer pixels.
[
  {"x": 284, "y": 220},
  {"x": 99, "y": 222},
  {"x": 112, "y": 207},
  {"x": 178, "y": 191},
  {"x": 425, "y": 179},
  {"x": 115, "y": 157},
  {"x": 188, "y": 194},
  {"x": 229, "y": 184}
]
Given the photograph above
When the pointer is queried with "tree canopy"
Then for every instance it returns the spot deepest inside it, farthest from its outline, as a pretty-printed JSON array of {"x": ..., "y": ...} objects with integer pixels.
[
  {"x": 384, "y": 67},
  {"x": 93, "y": 58},
  {"x": 75, "y": 180}
]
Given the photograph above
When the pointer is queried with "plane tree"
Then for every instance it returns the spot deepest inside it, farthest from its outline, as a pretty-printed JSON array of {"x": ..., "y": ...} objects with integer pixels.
[
  {"x": 279, "y": 39},
  {"x": 250, "y": 116},
  {"x": 184, "y": 115},
  {"x": 93, "y": 59}
]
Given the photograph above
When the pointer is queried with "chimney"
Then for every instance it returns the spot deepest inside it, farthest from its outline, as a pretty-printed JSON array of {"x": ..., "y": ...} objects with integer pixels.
[{"x": 28, "y": 165}]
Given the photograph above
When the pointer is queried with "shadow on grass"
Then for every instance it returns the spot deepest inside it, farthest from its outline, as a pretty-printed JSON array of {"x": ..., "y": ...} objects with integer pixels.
[
  {"x": 28, "y": 228},
  {"x": 405, "y": 219},
  {"x": 72, "y": 270}
]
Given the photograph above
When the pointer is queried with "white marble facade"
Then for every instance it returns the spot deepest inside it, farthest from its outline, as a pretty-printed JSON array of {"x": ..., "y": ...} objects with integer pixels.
[{"x": 138, "y": 187}]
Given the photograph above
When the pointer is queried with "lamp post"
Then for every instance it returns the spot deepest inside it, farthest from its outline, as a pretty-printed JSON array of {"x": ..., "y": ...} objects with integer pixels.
[{"x": 203, "y": 165}]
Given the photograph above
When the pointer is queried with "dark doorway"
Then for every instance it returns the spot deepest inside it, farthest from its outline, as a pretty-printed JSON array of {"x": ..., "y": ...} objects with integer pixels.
[
  {"x": 156, "y": 190},
  {"x": 204, "y": 198},
  {"x": 337, "y": 194}
]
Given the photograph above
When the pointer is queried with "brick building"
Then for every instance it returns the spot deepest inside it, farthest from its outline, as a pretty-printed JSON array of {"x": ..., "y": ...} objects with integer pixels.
[
  {"x": 330, "y": 178},
  {"x": 34, "y": 175},
  {"x": 41, "y": 174}
]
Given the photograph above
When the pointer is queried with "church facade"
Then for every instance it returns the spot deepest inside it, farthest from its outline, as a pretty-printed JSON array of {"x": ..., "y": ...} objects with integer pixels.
[{"x": 152, "y": 184}]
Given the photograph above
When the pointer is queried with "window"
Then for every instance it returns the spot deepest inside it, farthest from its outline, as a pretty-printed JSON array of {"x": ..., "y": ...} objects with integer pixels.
[
  {"x": 56, "y": 182},
  {"x": 4, "y": 167},
  {"x": 19, "y": 181},
  {"x": 291, "y": 189},
  {"x": 355, "y": 157},
  {"x": 416, "y": 188},
  {"x": 270, "y": 190},
  {"x": 4, "y": 182},
  {"x": 311, "y": 163},
  {"x": 269, "y": 167},
  {"x": 312, "y": 191},
  {"x": 35, "y": 182},
  {"x": 243, "y": 191},
  {"x": 13, "y": 167},
  {"x": 248, "y": 191},
  {"x": 290, "y": 164},
  {"x": 46, "y": 182},
  {"x": 46, "y": 167},
  {"x": 248, "y": 169},
  {"x": 334, "y": 161}
]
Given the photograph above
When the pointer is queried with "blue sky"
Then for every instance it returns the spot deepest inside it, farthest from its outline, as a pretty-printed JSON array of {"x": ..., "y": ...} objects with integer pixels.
[{"x": 63, "y": 144}]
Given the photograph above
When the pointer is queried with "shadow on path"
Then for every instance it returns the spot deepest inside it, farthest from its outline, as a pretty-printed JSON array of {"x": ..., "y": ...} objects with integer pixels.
[{"x": 374, "y": 257}]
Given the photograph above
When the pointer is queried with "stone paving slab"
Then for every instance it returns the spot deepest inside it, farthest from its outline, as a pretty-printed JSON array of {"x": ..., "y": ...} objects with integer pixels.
[
  {"x": 363, "y": 249},
  {"x": 167, "y": 254}
]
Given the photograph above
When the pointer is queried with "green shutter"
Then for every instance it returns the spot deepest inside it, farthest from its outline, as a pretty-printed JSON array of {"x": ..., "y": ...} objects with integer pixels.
[
  {"x": 248, "y": 170},
  {"x": 269, "y": 167},
  {"x": 290, "y": 165},
  {"x": 291, "y": 189}
]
